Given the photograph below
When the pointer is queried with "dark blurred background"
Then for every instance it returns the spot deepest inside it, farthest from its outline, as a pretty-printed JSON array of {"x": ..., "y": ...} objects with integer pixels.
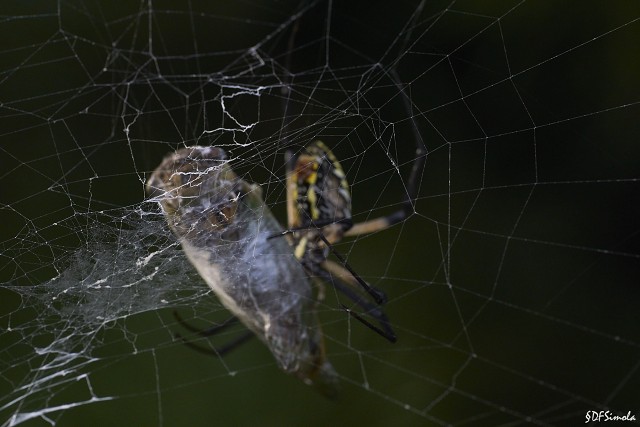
[{"x": 513, "y": 287}]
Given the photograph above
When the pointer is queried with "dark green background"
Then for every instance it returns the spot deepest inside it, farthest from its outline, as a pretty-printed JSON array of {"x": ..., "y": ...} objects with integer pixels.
[{"x": 515, "y": 284}]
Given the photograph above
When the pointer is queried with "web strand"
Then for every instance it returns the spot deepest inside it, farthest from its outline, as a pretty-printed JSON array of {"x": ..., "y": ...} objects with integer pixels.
[{"x": 505, "y": 134}]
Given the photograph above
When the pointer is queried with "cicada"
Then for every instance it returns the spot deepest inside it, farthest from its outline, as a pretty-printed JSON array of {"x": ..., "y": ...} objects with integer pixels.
[{"x": 223, "y": 226}]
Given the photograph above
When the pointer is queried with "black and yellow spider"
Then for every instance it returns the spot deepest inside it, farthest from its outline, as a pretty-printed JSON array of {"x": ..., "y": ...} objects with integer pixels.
[
  {"x": 319, "y": 215},
  {"x": 260, "y": 272}
]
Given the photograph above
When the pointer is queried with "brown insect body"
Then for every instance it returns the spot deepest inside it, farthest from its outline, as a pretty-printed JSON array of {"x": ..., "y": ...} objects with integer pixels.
[{"x": 223, "y": 224}]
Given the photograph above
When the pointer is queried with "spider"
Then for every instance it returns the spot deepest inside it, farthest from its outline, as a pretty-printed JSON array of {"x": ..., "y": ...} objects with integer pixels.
[
  {"x": 319, "y": 215},
  {"x": 240, "y": 250}
]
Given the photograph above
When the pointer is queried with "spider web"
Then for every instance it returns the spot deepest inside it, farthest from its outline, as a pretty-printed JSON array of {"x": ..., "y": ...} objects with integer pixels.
[{"x": 513, "y": 286}]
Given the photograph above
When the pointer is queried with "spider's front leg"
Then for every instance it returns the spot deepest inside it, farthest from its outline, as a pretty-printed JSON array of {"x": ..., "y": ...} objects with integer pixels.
[{"x": 346, "y": 281}]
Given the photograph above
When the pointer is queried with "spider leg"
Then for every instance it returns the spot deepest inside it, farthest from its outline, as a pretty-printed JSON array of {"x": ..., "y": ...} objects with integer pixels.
[
  {"x": 376, "y": 294},
  {"x": 313, "y": 225},
  {"x": 218, "y": 351},
  {"x": 382, "y": 223},
  {"x": 388, "y": 333},
  {"x": 413, "y": 181},
  {"x": 385, "y": 329},
  {"x": 353, "y": 277}
]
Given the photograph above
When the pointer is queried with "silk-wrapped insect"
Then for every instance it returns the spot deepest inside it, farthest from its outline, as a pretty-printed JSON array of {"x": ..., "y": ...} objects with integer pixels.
[
  {"x": 269, "y": 278},
  {"x": 223, "y": 226}
]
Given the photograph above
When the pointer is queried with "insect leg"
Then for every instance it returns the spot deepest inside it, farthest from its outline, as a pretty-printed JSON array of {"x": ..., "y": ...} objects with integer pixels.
[
  {"x": 217, "y": 351},
  {"x": 205, "y": 332}
]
